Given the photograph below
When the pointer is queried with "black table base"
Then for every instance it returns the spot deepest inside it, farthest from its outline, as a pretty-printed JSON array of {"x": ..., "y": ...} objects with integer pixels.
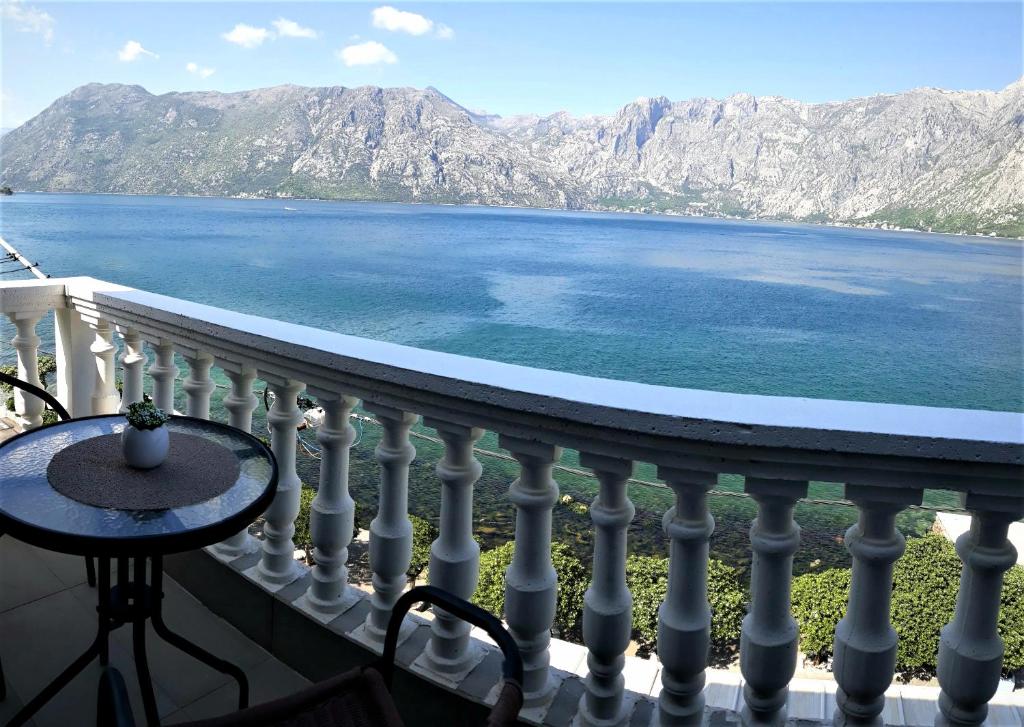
[{"x": 133, "y": 601}]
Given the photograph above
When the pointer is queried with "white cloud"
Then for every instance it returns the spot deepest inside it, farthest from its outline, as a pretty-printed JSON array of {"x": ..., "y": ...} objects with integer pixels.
[
  {"x": 198, "y": 70},
  {"x": 247, "y": 36},
  {"x": 27, "y": 19},
  {"x": 366, "y": 54},
  {"x": 132, "y": 50},
  {"x": 290, "y": 29},
  {"x": 444, "y": 32},
  {"x": 389, "y": 18}
]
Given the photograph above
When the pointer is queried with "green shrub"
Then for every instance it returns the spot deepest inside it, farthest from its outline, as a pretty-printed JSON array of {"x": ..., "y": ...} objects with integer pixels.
[
  {"x": 302, "y": 536},
  {"x": 424, "y": 533},
  {"x": 819, "y": 602},
  {"x": 926, "y": 580},
  {"x": 1011, "y": 619},
  {"x": 647, "y": 580},
  {"x": 925, "y": 584},
  {"x": 573, "y": 579}
]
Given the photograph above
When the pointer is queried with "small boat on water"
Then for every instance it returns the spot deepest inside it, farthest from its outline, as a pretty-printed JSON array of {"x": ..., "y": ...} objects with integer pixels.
[{"x": 292, "y": 209}]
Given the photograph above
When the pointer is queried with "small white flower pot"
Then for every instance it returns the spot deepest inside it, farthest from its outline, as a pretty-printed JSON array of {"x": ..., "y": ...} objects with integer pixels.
[{"x": 144, "y": 448}]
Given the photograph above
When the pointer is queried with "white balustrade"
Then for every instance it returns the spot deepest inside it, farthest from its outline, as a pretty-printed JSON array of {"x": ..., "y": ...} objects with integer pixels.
[
  {"x": 391, "y": 530},
  {"x": 970, "y": 649},
  {"x": 608, "y": 604},
  {"x": 332, "y": 514},
  {"x": 198, "y": 385},
  {"x": 531, "y": 584},
  {"x": 105, "y": 399},
  {"x": 769, "y": 636},
  {"x": 133, "y": 362},
  {"x": 865, "y": 641},
  {"x": 240, "y": 403},
  {"x": 891, "y": 453},
  {"x": 163, "y": 371},
  {"x": 684, "y": 619},
  {"x": 29, "y": 409},
  {"x": 277, "y": 567},
  {"x": 455, "y": 555}
]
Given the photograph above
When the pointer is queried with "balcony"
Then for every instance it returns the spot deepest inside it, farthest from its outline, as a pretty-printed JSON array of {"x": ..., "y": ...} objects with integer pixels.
[{"x": 317, "y": 623}]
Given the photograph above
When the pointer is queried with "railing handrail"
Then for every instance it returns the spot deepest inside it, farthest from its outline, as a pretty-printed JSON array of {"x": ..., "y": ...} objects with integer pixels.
[{"x": 716, "y": 424}]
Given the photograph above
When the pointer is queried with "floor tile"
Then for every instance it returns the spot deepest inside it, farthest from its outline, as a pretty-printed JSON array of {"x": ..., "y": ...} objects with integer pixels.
[
  {"x": 24, "y": 577},
  {"x": 268, "y": 681}
]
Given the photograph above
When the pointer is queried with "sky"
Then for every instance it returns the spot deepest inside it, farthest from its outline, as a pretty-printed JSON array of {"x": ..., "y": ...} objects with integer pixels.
[{"x": 510, "y": 58}]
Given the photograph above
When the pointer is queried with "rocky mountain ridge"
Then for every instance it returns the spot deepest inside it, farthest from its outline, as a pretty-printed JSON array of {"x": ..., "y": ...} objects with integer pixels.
[{"x": 927, "y": 158}]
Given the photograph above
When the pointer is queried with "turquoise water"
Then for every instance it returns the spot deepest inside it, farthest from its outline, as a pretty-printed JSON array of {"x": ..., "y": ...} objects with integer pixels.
[{"x": 738, "y": 306}]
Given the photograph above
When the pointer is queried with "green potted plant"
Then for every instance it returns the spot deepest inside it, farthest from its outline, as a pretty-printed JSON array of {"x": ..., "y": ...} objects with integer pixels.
[{"x": 145, "y": 440}]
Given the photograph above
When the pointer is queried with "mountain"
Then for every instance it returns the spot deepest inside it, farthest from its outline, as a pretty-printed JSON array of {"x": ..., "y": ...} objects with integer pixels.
[{"x": 927, "y": 158}]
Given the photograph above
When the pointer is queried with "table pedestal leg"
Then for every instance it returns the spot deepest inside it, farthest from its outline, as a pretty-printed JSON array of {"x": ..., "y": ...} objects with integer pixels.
[
  {"x": 132, "y": 601},
  {"x": 98, "y": 648},
  {"x": 193, "y": 650}
]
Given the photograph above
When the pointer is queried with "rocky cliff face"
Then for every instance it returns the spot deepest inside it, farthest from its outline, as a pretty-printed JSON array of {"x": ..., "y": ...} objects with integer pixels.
[{"x": 926, "y": 158}]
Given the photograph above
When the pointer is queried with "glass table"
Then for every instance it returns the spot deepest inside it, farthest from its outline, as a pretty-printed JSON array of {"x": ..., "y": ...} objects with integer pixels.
[{"x": 32, "y": 511}]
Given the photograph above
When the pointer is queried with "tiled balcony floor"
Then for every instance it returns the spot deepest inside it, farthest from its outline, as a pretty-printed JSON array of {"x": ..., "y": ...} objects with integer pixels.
[{"x": 48, "y": 617}]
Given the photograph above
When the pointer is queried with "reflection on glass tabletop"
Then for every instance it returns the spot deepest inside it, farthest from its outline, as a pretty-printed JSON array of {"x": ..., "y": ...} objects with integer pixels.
[{"x": 31, "y": 510}]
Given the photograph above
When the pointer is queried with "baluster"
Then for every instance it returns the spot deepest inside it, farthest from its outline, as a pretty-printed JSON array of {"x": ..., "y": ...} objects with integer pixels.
[
  {"x": 455, "y": 555},
  {"x": 28, "y": 408},
  {"x": 240, "y": 403},
  {"x": 608, "y": 604},
  {"x": 865, "y": 641},
  {"x": 332, "y": 515},
  {"x": 970, "y": 649},
  {"x": 277, "y": 567},
  {"x": 163, "y": 370},
  {"x": 531, "y": 584},
  {"x": 198, "y": 385},
  {"x": 768, "y": 639},
  {"x": 104, "y": 393},
  {"x": 684, "y": 619},
  {"x": 133, "y": 361},
  {"x": 390, "y": 531}
]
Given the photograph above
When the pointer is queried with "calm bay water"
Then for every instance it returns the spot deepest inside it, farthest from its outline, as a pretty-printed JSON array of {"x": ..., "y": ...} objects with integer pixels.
[{"x": 748, "y": 307}]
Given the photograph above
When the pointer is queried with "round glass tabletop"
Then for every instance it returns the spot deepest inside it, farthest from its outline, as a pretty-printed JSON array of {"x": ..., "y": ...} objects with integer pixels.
[{"x": 32, "y": 511}]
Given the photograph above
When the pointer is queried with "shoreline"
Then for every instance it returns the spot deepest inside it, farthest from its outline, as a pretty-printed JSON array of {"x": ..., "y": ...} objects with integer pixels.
[{"x": 997, "y": 239}]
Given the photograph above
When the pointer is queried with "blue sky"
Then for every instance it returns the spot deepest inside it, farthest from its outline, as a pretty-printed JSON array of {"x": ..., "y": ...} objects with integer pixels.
[{"x": 510, "y": 58}]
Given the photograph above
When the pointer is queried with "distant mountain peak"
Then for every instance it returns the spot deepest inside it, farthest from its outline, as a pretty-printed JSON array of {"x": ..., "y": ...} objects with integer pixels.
[{"x": 925, "y": 158}]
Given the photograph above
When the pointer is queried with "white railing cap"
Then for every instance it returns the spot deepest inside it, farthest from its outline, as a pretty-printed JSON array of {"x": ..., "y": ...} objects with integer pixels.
[{"x": 643, "y": 408}]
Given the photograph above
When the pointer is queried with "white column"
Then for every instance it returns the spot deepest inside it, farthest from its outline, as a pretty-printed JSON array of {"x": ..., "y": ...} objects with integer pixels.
[
  {"x": 684, "y": 619},
  {"x": 163, "y": 372},
  {"x": 768, "y": 639},
  {"x": 608, "y": 604},
  {"x": 198, "y": 385},
  {"x": 104, "y": 394},
  {"x": 970, "y": 649},
  {"x": 332, "y": 514},
  {"x": 455, "y": 555},
  {"x": 133, "y": 362},
  {"x": 75, "y": 375},
  {"x": 865, "y": 641},
  {"x": 390, "y": 531},
  {"x": 277, "y": 567},
  {"x": 531, "y": 584},
  {"x": 29, "y": 409},
  {"x": 240, "y": 403}
]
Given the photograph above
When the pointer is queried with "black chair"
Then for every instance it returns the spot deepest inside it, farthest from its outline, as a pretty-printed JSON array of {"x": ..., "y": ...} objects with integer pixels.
[
  {"x": 360, "y": 697},
  {"x": 62, "y": 414}
]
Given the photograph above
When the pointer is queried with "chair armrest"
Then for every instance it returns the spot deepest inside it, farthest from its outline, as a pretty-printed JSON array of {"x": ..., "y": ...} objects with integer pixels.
[
  {"x": 113, "y": 708},
  {"x": 512, "y": 669},
  {"x": 35, "y": 391}
]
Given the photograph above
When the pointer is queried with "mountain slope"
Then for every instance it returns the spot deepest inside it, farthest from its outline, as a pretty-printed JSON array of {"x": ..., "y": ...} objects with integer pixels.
[{"x": 925, "y": 158}]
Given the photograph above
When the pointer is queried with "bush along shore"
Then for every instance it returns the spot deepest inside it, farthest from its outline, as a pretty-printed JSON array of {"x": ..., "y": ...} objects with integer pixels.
[{"x": 925, "y": 584}]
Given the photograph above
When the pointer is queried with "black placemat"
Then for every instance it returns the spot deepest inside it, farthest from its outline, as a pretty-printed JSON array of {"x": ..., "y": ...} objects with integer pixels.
[{"x": 93, "y": 471}]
